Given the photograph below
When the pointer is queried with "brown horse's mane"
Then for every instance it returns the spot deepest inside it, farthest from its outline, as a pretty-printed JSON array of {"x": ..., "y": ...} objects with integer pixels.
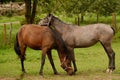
[
  {"x": 59, "y": 41},
  {"x": 61, "y": 44}
]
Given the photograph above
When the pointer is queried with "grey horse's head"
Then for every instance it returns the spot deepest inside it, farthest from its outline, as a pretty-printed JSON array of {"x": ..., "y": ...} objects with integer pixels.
[{"x": 46, "y": 21}]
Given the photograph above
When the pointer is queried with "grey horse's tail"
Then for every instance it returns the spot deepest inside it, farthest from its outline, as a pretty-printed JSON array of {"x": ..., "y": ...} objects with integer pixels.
[{"x": 113, "y": 30}]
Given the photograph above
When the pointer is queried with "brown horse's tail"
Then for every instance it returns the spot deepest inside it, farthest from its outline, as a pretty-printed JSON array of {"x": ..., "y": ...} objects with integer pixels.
[{"x": 16, "y": 46}]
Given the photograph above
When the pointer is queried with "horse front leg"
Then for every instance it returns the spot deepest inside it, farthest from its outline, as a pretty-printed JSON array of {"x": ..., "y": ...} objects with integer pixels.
[
  {"x": 51, "y": 62},
  {"x": 111, "y": 56},
  {"x": 73, "y": 59},
  {"x": 44, "y": 51}
]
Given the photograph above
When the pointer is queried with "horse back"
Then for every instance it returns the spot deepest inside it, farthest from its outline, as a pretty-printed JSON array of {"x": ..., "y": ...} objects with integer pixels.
[
  {"x": 88, "y": 35},
  {"x": 35, "y": 36},
  {"x": 99, "y": 29},
  {"x": 105, "y": 30}
]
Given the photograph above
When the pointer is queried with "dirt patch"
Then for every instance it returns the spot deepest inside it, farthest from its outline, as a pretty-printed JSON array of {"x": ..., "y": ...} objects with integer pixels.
[
  {"x": 64, "y": 77},
  {"x": 7, "y": 78}
]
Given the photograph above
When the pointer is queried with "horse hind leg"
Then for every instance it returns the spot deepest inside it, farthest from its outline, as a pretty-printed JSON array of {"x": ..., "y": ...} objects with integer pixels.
[
  {"x": 22, "y": 58},
  {"x": 111, "y": 56},
  {"x": 20, "y": 51}
]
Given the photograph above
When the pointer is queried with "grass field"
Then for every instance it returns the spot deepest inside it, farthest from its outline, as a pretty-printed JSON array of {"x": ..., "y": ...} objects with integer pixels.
[{"x": 91, "y": 62}]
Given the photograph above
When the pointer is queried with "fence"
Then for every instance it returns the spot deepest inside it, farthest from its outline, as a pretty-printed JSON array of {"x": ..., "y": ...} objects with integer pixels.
[{"x": 5, "y": 38}]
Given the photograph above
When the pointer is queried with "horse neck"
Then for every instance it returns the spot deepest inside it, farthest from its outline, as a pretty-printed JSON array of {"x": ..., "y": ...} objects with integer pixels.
[
  {"x": 62, "y": 52},
  {"x": 61, "y": 47},
  {"x": 59, "y": 41},
  {"x": 60, "y": 26}
]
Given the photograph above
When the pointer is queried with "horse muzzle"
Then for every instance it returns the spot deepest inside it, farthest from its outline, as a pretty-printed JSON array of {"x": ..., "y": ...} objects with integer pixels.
[{"x": 69, "y": 70}]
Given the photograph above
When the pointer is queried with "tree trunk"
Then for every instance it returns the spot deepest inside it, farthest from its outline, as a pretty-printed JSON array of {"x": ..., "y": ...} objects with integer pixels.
[
  {"x": 82, "y": 17},
  {"x": 78, "y": 20},
  {"x": 33, "y": 11},
  {"x": 114, "y": 20},
  {"x": 30, "y": 11},
  {"x": 97, "y": 17}
]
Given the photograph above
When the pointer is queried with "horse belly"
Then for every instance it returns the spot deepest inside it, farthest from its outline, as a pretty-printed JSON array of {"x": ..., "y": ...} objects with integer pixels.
[
  {"x": 83, "y": 44},
  {"x": 40, "y": 44},
  {"x": 85, "y": 41},
  {"x": 34, "y": 45},
  {"x": 80, "y": 42}
]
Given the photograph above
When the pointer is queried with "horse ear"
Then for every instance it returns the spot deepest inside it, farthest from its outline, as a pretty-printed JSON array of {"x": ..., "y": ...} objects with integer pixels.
[{"x": 49, "y": 16}]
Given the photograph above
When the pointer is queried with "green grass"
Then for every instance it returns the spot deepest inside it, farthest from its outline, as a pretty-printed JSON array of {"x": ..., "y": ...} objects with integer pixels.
[
  {"x": 91, "y": 62},
  {"x": 15, "y": 28},
  {"x": 9, "y": 41},
  {"x": 4, "y": 19}
]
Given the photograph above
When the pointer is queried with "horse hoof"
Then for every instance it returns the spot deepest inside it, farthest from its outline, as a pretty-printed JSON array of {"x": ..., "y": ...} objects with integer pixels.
[
  {"x": 56, "y": 73},
  {"x": 109, "y": 71}
]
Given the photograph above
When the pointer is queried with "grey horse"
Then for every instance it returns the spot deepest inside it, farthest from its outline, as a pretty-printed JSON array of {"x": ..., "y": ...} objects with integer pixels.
[{"x": 83, "y": 36}]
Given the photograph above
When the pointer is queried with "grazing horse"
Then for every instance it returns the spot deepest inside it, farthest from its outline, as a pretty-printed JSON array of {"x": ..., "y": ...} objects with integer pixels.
[
  {"x": 85, "y": 36},
  {"x": 42, "y": 38}
]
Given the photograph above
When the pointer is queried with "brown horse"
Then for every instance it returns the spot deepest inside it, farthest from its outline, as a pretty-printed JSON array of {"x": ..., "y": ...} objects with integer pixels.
[
  {"x": 85, "y": 36},
  {"x": 42, "y": 38}
]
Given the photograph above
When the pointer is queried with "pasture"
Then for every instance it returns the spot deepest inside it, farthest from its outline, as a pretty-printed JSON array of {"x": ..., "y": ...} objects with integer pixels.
[{"x": 91, "y": 62}]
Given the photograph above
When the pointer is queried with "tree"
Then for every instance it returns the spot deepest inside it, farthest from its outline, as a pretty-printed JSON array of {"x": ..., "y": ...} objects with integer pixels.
[
  {"x": 30, "y": 8},
  {"x": 106, "y": 7},
  {"x": 83, "y": 6},
  {"x": 47, "y": 6},
  {"x": 76, "y": 7},
  {"x": 96, "y": 7}
]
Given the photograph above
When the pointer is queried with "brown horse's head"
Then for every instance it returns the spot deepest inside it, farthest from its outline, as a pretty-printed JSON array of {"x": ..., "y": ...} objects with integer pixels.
[{"x": 66, "y": 65}]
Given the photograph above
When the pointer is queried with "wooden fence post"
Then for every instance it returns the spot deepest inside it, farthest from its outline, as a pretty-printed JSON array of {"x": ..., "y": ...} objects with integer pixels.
[
  {"x": 10, "y": 32},
  {"x": 5, "y": 37}
]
